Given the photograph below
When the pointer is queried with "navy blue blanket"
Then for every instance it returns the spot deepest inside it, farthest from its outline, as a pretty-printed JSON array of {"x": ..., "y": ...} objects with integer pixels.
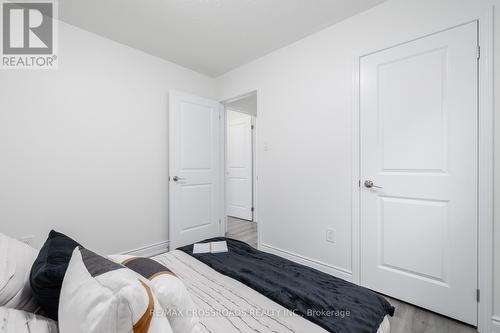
[{"x": 332, "y": 303}]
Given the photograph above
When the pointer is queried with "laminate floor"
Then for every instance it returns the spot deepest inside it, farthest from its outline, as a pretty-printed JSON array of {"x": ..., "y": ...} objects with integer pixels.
[
  {"x": 407, "y": 319},
  {"x": 242, "y": 230}
]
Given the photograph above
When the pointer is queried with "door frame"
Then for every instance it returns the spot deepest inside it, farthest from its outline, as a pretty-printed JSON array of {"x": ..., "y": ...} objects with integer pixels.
[
  {"x": 485, "y": 164},
  {"x": 255, "y": 177}
]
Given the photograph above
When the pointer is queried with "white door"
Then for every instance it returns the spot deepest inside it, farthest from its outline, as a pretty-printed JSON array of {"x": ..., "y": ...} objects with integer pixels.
[
  {"x": 194, "y": 141},
  {"x": 418, "y": 113},
  {"x": 239, "y": 184}
]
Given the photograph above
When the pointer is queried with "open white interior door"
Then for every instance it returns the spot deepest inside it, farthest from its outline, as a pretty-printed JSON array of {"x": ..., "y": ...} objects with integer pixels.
[
  {"x": 239, "y": 175},
  {"x": 195, "y": 169}
]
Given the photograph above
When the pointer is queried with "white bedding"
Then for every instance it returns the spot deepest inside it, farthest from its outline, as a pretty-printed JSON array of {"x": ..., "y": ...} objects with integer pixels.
[
  {"x": 19, "y": 321},
  {"x": 228, "y": 306}
]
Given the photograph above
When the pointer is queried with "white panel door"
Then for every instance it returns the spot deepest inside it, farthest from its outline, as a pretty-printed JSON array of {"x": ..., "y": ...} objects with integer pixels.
[
  {"x": 195, "y": 198},
  {"x": 239, "y": 196},
  {"x": 418, "y": 113}
]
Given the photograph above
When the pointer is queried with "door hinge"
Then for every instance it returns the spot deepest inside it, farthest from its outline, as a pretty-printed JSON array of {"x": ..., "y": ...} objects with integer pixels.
[
  {"x": 252, "y": 209},
  {"x": 478, "y": 295},
  {"x": 359, "y": 182},
  {"x": 478, "y": 52},
  {"x": 220, "y": 221},
  {"x": 252, "y": 127}
]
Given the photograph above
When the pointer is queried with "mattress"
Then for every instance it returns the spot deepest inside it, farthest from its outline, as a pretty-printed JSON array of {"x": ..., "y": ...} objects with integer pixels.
[{"x": 226, "y": 305}]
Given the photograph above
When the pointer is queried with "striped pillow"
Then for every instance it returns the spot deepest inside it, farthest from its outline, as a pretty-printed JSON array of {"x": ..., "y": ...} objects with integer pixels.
[
  {"x": 101, "y": 296},
  {"x": 170, "y": 290}
]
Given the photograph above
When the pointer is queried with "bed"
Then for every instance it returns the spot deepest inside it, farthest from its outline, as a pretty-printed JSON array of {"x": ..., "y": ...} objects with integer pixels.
[
  {"x": 241, "y": 291},
  {"x": 227, "y": 305}
]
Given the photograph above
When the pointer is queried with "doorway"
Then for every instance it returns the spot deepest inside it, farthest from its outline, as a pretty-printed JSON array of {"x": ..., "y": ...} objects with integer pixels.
[
  {"x": 200, "y": 170},
  {"x": 240, "y": 168}
]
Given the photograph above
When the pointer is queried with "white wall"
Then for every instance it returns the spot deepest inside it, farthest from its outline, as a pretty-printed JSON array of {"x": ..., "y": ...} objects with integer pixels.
[
  {"x": 305, "y": 104},
  {"x": 83, "y": 149}
]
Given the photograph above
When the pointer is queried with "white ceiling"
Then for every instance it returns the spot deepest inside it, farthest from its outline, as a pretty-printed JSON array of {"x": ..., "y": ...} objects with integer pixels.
[{"x": 209, "y": 36}]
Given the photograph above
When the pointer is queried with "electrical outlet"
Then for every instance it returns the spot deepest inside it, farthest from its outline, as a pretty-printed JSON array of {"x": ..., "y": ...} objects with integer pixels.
[
  {"x": 27, "y": 239},
  {"x": 331, "y": 235}
]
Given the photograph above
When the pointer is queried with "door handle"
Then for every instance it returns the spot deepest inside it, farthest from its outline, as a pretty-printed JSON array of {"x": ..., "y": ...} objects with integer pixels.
[
  {"x": 370, "y": 184},
  {"x": 176, "y": 179}
]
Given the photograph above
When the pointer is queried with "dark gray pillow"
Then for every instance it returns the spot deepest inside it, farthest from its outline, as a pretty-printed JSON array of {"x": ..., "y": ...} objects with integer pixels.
[{"x": 47, "y": 272}]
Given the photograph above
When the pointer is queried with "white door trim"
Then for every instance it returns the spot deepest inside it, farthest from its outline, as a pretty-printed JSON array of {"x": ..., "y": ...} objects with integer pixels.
[{"x": 485, "y": 168}]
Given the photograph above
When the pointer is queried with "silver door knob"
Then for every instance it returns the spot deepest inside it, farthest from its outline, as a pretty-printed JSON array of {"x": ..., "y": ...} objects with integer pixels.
[
  {"x": 176, "y": 179},
  {"x": 370, "y": 184}
]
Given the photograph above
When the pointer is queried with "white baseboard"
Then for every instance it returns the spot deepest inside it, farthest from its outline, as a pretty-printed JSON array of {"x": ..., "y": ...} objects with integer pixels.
[
  {"x": 320, "y": 266},
  {"x": 496, "y": 324},
  {"x": 149, "y": 250}
]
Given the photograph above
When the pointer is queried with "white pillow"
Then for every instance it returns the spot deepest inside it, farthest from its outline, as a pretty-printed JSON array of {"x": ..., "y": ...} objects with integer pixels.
[
  {"x": 16, "y": 259},
  {"x": 101, "y": 296},
  {"x": 18, "y": 321},
  {"x": 170, "y": 290}
]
